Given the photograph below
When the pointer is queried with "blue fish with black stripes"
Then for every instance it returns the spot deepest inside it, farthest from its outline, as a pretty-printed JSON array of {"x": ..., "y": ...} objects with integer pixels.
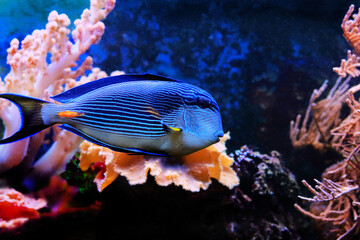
[{"x": 138, "y": 114}]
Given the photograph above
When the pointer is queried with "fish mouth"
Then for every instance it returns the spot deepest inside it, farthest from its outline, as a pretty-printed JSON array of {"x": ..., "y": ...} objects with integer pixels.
[{"x": 219, "y": 134}]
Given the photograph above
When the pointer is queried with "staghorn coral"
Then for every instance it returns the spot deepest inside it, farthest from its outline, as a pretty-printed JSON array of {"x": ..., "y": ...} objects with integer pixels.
[
  {"x": 193, "y": 172},
  {"x": 16, "y": 208},
  {"x": 32, "y": 74}
]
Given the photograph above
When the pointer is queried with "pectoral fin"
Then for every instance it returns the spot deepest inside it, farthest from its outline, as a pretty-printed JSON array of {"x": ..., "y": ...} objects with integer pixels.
[{"x": 175, "y": 129}]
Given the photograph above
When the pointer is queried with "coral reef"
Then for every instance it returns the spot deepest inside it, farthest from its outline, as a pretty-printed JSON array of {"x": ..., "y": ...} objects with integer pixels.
[
  {"x": 46, "y": 64},
  {"x": 336, "y": 200},
  {"x": 261, "y": 207},
  {"x": 193, "y": 172}
]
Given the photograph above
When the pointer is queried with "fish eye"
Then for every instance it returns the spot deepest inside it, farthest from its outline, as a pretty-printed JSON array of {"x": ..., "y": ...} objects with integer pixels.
[{"x": 203, "y": 102}]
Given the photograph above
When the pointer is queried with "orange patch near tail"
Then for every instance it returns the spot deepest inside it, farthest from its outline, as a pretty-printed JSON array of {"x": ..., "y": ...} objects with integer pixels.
[{"x": 69, "y": 114}]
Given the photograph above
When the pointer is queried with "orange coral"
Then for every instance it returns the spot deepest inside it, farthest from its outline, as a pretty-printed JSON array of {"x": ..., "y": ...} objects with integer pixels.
[
  {"x": 193, "y": 172},
  {"x": 15, "y": 208}
]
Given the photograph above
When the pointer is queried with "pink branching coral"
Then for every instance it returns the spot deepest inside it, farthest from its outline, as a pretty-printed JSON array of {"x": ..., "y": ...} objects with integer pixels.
[
  {"x": 16, "y": 208},
  {"x": 31, "y": 74},
  {"x": 336, "y": 200},
  {"x": 193, "y": 172}
]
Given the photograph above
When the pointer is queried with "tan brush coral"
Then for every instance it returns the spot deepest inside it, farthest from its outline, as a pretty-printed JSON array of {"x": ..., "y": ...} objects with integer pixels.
[
  {"x": 348, "y": 131},
  {"x": 351, "y": 28},
  {"x": 349, "y": 66},
  {"x": 193, "y": 172},
  {"x": 336, "y": 200},
  {"x": 324, "y": 115},
  {"x": 321, "y": 116},
  {"x": 33, "y": 75}
]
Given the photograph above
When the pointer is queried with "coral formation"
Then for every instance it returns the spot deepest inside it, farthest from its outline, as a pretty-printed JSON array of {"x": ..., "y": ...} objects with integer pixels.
[
  {"x": 261, "y": 207},
  {"x": 336, "y": 200},
  {"x": 45, "y": 64},
  {"x": 16, "y": 208},
  {"x": 266, "y": 197},
  {"x": 193, "y": 172},
  {"x": 320, "y": 117}
]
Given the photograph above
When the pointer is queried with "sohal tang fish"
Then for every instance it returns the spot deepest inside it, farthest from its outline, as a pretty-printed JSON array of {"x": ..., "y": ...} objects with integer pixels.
[{"x": 139, "y": 114}]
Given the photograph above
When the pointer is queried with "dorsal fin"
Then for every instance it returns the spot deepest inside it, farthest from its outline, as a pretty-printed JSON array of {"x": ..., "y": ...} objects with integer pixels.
[{"x": 75, "y": 92}]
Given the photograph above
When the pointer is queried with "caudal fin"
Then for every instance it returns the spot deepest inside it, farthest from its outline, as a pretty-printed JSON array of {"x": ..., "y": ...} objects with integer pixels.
[{"x": 31, "y": 120}]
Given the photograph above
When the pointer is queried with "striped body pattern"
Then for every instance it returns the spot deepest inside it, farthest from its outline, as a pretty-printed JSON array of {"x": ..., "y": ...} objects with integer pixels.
[{"x": 139, "y": 114}]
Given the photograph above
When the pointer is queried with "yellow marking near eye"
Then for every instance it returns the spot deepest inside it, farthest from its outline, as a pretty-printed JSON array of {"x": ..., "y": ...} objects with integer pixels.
[
  {"x": 69, "y": 114},
  {"x": 153, "y": 112},
  {"x": 175, "y": 129}
]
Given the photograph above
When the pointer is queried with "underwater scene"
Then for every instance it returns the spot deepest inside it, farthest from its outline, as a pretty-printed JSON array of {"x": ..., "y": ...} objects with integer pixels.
[{"x": 179, "y": 119}]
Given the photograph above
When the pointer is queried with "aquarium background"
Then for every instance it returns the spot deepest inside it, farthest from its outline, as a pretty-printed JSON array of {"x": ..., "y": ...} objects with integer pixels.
[{"x": 259, "y": 59}]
